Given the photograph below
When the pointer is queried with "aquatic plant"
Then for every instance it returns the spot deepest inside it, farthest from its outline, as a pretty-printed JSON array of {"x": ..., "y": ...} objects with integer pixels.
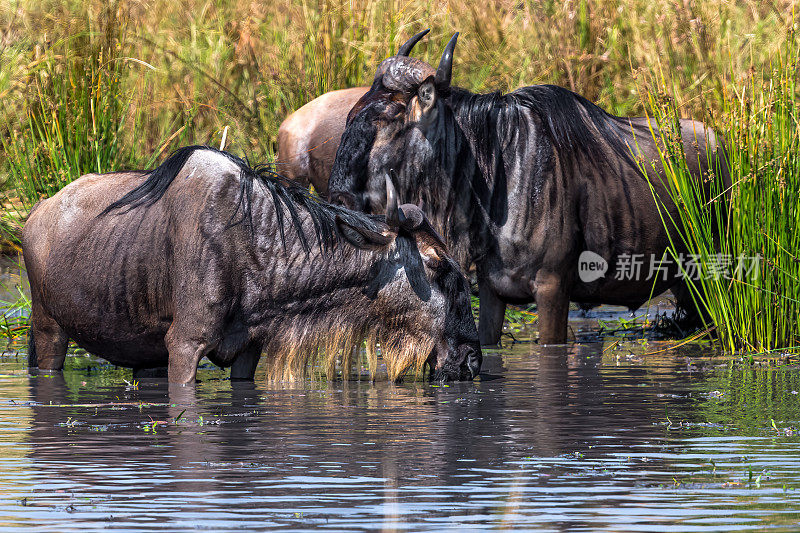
[
  {"x": 14, "y": 313},
  {"x": 753, "y": 305}
]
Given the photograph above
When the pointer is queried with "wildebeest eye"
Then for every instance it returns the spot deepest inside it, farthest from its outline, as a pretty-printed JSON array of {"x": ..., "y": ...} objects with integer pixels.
[
  {"x": 433, "y": 264},
  {"x": 343, "y": 198},
  {"x": 394, "y": 110}
]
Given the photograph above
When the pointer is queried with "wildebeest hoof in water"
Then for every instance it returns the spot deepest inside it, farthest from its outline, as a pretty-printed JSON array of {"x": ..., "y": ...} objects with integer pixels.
[{"x": 36, "y": 371}]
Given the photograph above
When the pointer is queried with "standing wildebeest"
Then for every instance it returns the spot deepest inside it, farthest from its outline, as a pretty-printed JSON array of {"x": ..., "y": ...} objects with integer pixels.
[
  {"x": 309, "y": 137},
  {"x": 206, "y": 256},
  {"x": 519, "y": 184}
]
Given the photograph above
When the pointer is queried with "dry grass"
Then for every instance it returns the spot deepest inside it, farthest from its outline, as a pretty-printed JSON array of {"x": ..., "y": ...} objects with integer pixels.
[{"x": 246, "y": 64}]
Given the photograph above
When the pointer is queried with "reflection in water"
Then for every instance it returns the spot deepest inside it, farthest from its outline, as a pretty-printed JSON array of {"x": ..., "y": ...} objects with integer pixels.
[{"x": 566, "y": 438}]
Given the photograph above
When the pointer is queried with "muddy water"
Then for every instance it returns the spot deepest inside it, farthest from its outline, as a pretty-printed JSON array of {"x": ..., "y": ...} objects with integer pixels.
[{"x": 601, "y": 435}]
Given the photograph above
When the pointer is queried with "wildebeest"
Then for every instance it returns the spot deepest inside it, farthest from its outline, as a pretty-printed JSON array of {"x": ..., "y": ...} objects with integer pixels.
[
  {"x": 309, "y": 137},
  {"x": 207, "y": 256},
  {"x": 519, "y": 184}
]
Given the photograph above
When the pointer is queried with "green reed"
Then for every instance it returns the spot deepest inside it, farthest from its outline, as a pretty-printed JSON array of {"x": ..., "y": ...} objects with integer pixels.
[
  {"x": 80, "y": 111},
  {"x": 71, "y": 117},
  {"x": 758, "y": 216},
  {"x": 14, "y": 315}
]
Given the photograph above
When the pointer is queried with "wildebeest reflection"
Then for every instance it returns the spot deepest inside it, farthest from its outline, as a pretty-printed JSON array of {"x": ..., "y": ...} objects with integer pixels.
[
  {"x": 206, "y": 256},
  {"x": 519, "y": 184},
  {"x": 346, "y": 451}
]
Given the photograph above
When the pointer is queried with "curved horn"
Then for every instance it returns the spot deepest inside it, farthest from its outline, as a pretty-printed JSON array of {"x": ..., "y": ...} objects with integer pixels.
[
  {"x": 392, "y": 209},
  {"x": 405, "y": 50},
  {"x": 445, "y": 70}
]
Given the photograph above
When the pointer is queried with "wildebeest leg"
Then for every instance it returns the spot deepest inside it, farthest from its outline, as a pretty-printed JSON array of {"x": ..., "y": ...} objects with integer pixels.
[
  {"x": 552, "y": 302},
  {"x": 185, "y": 351},
  {"x": 687, "y": 315},
  {"x": 244, "y": 366},
  {"x": 48, "y": 342},
  {"x": 491, "y": 313}
]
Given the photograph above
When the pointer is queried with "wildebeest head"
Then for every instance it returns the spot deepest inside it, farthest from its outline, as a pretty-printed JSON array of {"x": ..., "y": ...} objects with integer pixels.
[
  {"x": 399, "y": 126},
  {"x": 420, "y": 293}
]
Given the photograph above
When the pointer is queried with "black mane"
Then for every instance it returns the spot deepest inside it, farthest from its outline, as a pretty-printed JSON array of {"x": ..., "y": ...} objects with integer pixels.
[
  {"x": 574, "y": 125},
  {"x": 287, "y": 196}
]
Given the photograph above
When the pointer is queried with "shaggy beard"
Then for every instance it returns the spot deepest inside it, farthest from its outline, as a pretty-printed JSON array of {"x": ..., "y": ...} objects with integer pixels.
[{"x": 297, "y": 348}]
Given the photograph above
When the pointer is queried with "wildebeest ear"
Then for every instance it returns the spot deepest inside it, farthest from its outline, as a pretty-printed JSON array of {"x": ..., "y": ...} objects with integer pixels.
[
  {"x": 426, "y": 98},
  {"x": 361, "y": 237},
  {"x": 413, "y": 217}
]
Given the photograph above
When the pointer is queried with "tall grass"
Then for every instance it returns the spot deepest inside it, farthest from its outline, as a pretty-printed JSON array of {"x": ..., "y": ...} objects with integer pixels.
[
  {"x": 760, "y": 120},
  {"x": 72, "y": 117},
  {"x": 245, "y": 65},
  {"x": 80, "y": 107}
]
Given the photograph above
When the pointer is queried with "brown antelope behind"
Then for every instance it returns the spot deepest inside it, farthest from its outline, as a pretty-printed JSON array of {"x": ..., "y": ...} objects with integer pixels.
[{"x": 309, "y": 137}]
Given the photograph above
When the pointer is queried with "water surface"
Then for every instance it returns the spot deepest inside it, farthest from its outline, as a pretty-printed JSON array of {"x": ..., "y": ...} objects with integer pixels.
[
  {"x": 596, "y": 436},
  {"x": 606, "y": 434}
]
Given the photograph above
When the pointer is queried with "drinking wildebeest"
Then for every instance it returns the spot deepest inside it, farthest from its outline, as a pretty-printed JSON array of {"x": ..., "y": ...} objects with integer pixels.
[
  {"x": 519, "y": 184},
  {"x": 309, "y": 137},
  {"x": 206, "y": 256}
]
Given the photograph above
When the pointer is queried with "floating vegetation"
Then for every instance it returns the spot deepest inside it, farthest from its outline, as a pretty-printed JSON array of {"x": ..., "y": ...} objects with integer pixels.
[{"x": 15, "y": 311}]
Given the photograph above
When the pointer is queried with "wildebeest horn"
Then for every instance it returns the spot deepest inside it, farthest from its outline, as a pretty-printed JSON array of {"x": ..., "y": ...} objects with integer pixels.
[
  {"x": 392, "y": 209},
  {"x": 405, "y": 50},
  {"x": 445, "y": 70},
  {"x": 413, "y": 217}
]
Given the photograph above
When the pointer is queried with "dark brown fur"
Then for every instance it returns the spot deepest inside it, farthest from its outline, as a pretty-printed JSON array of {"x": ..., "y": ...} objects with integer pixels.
[
  {"x": 208, "y": 257},
  {"x": 520, "y": 184}
]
